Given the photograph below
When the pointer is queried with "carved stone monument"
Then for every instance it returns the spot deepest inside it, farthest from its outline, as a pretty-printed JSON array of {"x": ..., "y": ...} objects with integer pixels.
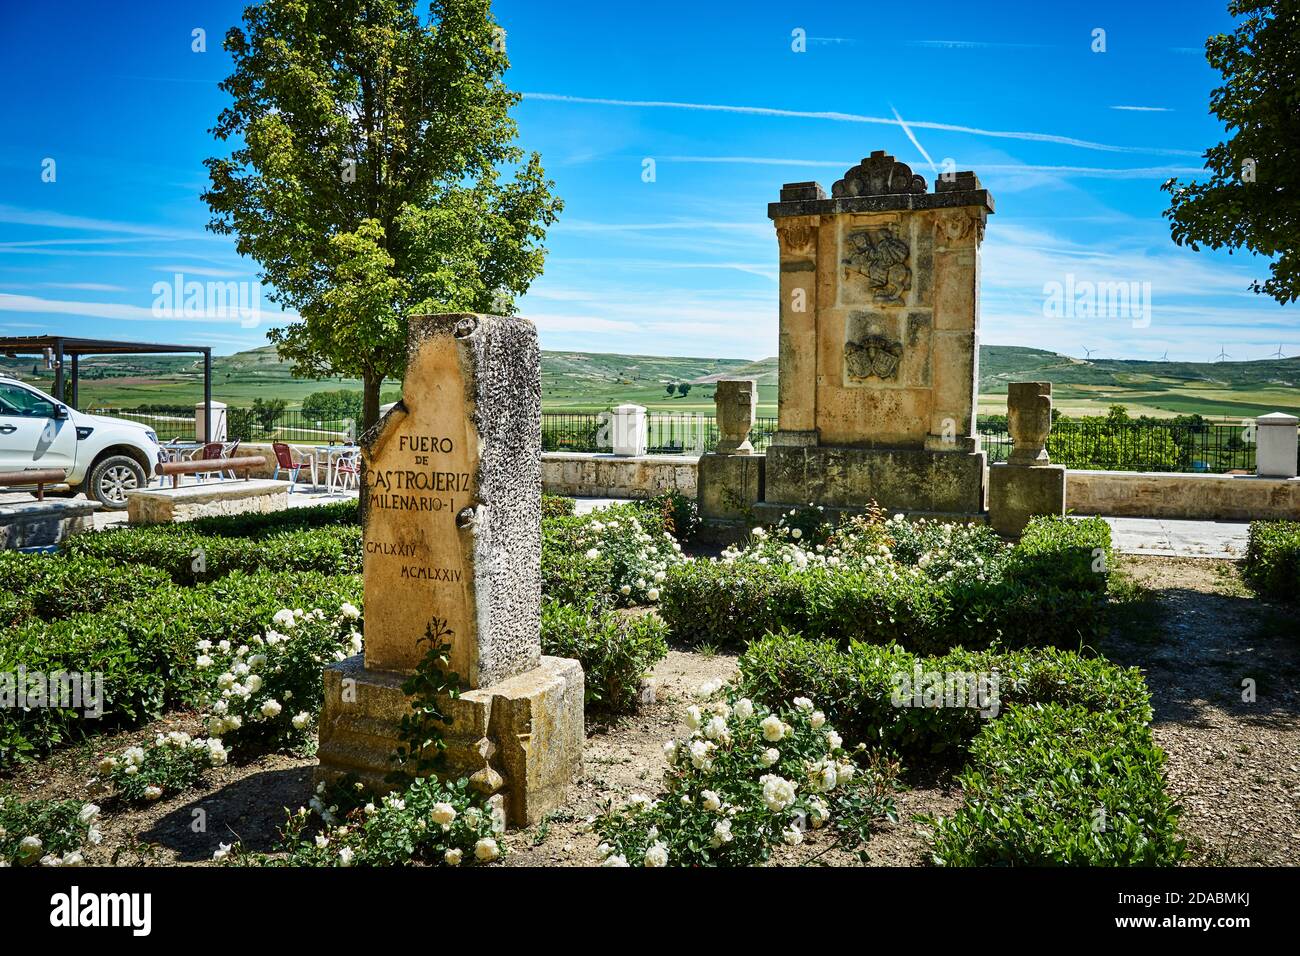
[
  {"x": 452, "y": 533},
  {"x": 878, "y": 342},
  {"x": 731, "y": 477},
  {"x": 1027, "y": 484}
]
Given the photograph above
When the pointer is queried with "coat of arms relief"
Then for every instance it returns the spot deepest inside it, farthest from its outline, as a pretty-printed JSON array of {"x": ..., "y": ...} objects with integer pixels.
[{"x": 884, "y": 260}]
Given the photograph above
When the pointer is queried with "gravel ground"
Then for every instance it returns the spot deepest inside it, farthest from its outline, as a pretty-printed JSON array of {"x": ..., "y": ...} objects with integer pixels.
[{"x": 1234, "y": 765}]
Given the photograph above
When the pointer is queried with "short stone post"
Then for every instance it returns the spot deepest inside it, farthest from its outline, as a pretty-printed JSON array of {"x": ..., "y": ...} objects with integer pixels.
[
  {"x": 730, "y": 479},
  {"x": 452, "y": 543},
  {"x": 1027, "y": 484},
  {"x": 218, "y": 422},
  {"x": 736, "y": 403},
  {"x": 1275, "y": 445},
  {"x": 630, "y": 430}
]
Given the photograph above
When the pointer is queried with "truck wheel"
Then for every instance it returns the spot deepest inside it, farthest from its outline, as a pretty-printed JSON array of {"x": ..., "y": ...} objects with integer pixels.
[{"x": 112, "y": 478}]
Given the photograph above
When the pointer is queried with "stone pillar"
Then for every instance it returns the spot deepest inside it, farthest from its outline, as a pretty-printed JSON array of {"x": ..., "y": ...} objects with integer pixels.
[
  {"x": 630, "y": 430},
  {"x": 797, "y": 241},
  {"x": 452, "y": 546},
  {"x": 1275, "y": 445},
  {"x": 879, "y": 342},
  {"x": 730, "y": 479},
  {"x": 1027, "y": 484},
  {"x": 218, "y": 422},
  {"x": 736, "y": 403}
]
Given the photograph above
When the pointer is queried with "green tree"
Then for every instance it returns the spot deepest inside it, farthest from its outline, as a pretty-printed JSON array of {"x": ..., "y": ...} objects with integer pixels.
[
  {"x": 671, "y": 388},
  {"x": 267, "y": 411},
  {"x": 366, "y": 175},
  {"x": 684, "y": 389},
  {"x": 333, "y": 405},
  {"x": 1252, "y": 196}
]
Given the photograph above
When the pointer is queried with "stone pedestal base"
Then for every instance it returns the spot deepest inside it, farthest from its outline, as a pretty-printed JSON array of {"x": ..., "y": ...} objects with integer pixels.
[
  {"x": 520, "y": 738},
  {"x": 44, "y": 524},
  {"x": 205, "y": 500},
  {"x": 1019, "y": 492},
  {"x": 729, "y": 485},
  {"x": 910, "y": 480}
]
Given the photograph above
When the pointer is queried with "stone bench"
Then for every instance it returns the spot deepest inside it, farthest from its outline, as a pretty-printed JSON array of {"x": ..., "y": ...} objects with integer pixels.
[
  {"x": 168, "y": 505},
  {"x": 43, "y": 524}
]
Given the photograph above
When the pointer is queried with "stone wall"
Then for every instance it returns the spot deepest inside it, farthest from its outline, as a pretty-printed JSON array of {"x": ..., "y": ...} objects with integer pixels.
[
  {"x": 606, "y": 476},
  {"x": 1166, "y": 495}
]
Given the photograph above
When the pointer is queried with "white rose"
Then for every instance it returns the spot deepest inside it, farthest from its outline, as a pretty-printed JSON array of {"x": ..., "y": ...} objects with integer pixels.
[
  {"x": 349, "y": 610},
  {"x": 222, "y": 851},
  {"x": 744, "y": 709},
  {"x": 345, "y": 856},
  {"x": 203, "y": 660},
  {"x": 301, "y": 720},
  {"x": 834, "y": 740},
  {"x": 694, "y": 717},
  {"x": 271, "y": 709},
  {"x": 778, "y": 793},
  {"x": 712, "y": 802},
  {"x": 284, "y": 619},
  {"x": 716, "y": 729},
  {"x": 773, "y": 729},
  {"x": 656, "y": 855},
  {"x": 486, "y": 850},
  {"x": 817, "y": 719},
  {"x": 652, "y": 594},
  {"x": 769, "y": 757},
  {"x": 442, "y": 814},
  {"x": 593, "y": 554},
  {"x": 453, "y": 857},
  {"x": 803, "y": 703},
  {"x": 616, "y": 859},
  {"x": 152, "y": 793}
]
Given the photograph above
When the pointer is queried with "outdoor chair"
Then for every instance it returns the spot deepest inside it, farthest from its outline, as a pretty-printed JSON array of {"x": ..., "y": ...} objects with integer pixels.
[
  {"x": 209, "y": 452},
  {"x": 346, "y": 471},
  {"x": 284, "y": 462}
]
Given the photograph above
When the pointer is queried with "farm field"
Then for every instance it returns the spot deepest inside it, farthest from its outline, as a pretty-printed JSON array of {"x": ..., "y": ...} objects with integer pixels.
[{"x": 592, "y": 381}]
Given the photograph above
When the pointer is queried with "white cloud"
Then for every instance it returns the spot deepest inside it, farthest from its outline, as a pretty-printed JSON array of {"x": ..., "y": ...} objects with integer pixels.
[{"x": 856, "y": 118}]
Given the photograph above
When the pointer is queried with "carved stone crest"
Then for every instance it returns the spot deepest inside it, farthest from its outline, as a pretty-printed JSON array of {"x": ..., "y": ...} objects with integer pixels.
[
  {"x": 883, "y": 259},
  {"x": 878, "y": 175},
  {"x": 797, "y": 236},
  {"x": 873, "y": 354}
]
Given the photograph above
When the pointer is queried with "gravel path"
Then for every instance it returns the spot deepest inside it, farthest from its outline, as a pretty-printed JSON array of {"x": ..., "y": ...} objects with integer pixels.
[{"x": 1234, "y": 764}]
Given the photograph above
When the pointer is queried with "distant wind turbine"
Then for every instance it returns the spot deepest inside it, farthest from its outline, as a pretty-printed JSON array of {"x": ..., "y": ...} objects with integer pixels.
[
  {"x": 1089, "y": 351},
  {"x": 1165, "y": 357},
  {"x": 1222, "y": 355},
  {"x": 1278, "y": 353}
]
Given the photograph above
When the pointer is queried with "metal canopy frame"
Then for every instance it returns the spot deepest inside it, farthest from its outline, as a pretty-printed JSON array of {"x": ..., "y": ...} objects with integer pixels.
[{"x": 68, "y": 346}]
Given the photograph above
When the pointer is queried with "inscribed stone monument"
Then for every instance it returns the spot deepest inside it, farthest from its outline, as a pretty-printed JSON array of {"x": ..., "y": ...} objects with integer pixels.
[{"x": 452, "y": 533}]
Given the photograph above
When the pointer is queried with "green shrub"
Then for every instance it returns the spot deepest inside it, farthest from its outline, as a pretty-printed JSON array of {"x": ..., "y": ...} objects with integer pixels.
[
  {"x": 53, "y": 587},
  {"x": 558, "y": 506},
  {"x": 615, "y": 649},
  {"x": 749, "y": 778},
  {"x": 145, "y": 649},
  {"x": 1272, "y": 565},
  {"x": 191, "y": 557},
  {"x": 620, "y": 554},
  {"x": 172, "y": 764},
  {"x": 1064, "y": 786},
  {"x": 856, "y": 687},
  {"x": 55, "y": 830},
  {"x": 679, "y": 514},
  {"x": 291, "y": 519},
  {"x": 932, "y": 588}
]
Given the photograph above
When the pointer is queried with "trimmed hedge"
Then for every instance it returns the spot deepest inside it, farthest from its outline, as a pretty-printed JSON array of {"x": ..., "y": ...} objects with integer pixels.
[
  {"x": 1049, "y": 785},
  {"x": 190, "y": 557},
  {"x": 1066, "y": 772},
  {"x": 145, "y": 649},
  {"x": 615, "y": 649},
  {"x": 1272, "y": 565},
  {"x": 1049, "y": 591},
  {"x": 558, "y": 506},
  {"x": 52, "y": 587},
  {"x": 854, "y": 687}
]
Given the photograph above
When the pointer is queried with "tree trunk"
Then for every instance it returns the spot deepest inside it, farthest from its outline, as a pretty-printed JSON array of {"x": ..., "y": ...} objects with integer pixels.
[{"x": 370, "y": 384}]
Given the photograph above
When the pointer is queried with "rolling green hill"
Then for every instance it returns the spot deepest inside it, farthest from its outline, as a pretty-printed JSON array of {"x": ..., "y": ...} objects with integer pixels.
[{"x": 594, "y": 380}]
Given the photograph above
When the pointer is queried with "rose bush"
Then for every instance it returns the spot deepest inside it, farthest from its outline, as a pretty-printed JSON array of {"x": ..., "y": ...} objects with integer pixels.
[
  {"x": 46, "y": 832},
  {"x": 172, "y": 764},
  {"x": 748, "y": 778}
]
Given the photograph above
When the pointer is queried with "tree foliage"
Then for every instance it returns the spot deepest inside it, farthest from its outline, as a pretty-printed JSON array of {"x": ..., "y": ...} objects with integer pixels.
[
  {"x": 365, "y": 174},
  {"x": 1252, "y": 196}
]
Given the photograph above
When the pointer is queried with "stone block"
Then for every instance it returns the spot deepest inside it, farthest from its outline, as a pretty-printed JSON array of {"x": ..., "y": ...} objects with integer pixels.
[
  {"x": 521, "y": 738},
  {"x": 44, "y": 524},
  {"x": 729, "y": 485},
  {"x": 899, "y": 479},
  {"x": 206, "y": 499},
  {"x": 1019, "y": 492},
  {"x": 1275, "y": 449}
]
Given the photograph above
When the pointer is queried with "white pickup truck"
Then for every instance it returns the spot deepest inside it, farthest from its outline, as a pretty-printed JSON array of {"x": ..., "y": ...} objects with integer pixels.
[{"x": 103, "y": 457}]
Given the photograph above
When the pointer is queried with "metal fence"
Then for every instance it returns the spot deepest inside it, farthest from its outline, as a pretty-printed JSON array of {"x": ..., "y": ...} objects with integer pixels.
[
  {"x": 289, "y": 426},
  {"x": 669, "y": 433},
  {"x": 1139, "y": 446}
]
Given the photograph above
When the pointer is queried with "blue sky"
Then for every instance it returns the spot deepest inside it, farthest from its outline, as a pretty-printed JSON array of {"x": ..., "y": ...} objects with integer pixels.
[{"x": 1072, "y": 143}]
